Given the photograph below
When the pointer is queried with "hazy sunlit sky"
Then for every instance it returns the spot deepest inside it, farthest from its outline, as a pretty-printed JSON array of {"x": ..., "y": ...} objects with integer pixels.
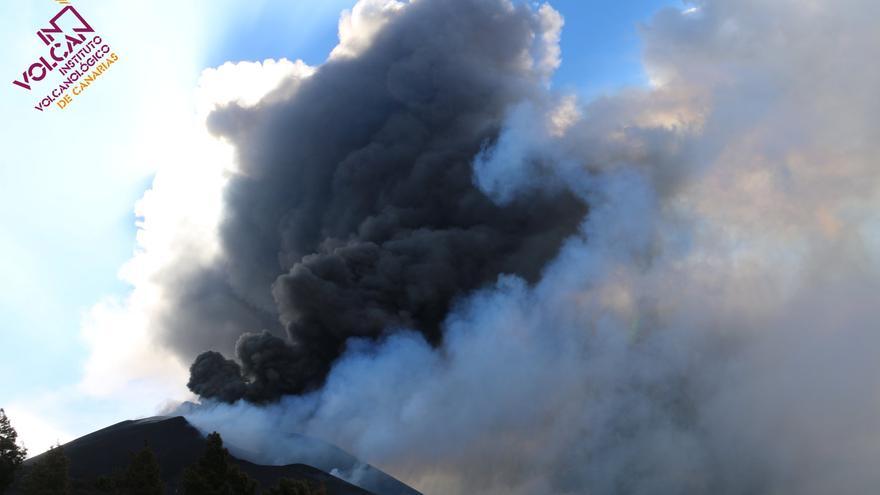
[{"x": 69, "y": 179}]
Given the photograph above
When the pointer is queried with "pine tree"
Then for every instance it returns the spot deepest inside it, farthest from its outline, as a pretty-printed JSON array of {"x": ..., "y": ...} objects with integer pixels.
[
  {"x": 11, "y": 454},
  {"x": 49, "y": 475},
  {"x": 142, "y": 476},
  {"x": 105, "y": 484},
  {"x": 216, "y": 474},
  {"x": 296, "y": 487}
]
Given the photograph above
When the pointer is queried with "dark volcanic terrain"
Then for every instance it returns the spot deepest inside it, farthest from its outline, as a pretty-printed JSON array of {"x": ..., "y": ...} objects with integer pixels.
[{"x": 177, "y": 444}]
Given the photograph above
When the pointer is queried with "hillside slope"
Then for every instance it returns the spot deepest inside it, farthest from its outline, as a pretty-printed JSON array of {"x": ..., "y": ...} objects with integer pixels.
[{"x": 177, "y": 444}]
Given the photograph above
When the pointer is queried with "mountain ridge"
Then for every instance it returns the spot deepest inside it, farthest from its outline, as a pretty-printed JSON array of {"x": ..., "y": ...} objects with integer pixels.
[{"x": 178, "y": 444}]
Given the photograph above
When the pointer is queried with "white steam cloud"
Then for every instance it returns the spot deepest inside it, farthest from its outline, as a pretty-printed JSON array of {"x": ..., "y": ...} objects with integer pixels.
[{"x": 177, "y": 231}]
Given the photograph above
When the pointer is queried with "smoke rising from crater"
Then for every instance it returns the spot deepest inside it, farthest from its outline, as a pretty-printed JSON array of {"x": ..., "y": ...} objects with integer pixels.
[
  {"x": 353, "y": 210},
  {"x": 413, "y": 215}
]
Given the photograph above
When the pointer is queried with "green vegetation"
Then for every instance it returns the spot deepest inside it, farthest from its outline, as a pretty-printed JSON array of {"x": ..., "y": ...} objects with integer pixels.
[
  {"x": 216, "y": 474},
  {"x": 49, "y": 475},
  {"x": 141, "y": 477},
  {"x": 296, "y": 487},
  {"x": 11, "y": 454}
]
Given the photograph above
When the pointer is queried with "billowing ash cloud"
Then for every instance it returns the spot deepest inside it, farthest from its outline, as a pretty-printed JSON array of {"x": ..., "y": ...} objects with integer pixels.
[
  {"x": 353, "y": 210},
  {"x": 709, "y": 328}
]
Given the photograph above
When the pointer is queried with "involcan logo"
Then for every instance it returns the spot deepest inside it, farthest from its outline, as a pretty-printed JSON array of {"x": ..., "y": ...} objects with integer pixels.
[{"x": 74, "y": 51}]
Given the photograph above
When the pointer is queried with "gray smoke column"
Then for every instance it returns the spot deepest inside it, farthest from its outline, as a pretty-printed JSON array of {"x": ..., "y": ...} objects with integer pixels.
[
  {"x": 354, "y": 212},
  {"x": 711, "y": 325}
]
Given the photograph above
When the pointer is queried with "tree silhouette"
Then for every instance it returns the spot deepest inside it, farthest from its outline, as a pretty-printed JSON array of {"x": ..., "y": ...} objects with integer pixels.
[
  {"x": 215, "y": 474},
  {"x": 296, "y": 487},
  {"x": 48, "y": 475},
  {"x": 142, "y": 476},
  {"x": 11, "y": 454}
]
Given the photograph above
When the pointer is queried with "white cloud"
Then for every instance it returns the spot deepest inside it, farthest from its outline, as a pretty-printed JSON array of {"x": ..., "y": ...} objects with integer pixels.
[
  {"x": 143, "y": 118},
  {"x": 358, "y": 25},
  {"x": 35, "y": 433},
  {"x": 180, "y": 216}
]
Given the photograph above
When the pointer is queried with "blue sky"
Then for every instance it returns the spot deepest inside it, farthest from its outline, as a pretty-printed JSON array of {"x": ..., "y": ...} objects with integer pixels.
[
  {"x": 69, "y": 180},
  {"x": 600, "y": 43}
]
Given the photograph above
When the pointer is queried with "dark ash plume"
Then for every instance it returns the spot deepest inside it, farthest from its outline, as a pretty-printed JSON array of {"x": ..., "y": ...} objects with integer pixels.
[
  {"x": 354, "y": 206},
  {"x": 212, "y": 375}
]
